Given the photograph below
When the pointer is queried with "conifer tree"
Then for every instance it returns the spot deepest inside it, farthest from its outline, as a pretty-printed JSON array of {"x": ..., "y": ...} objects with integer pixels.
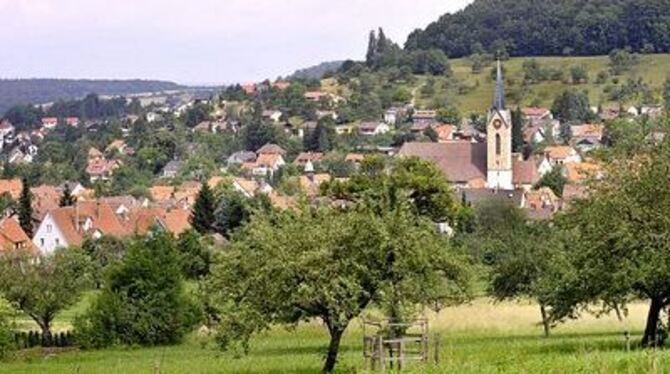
[
  {"x": 203, "y": 210},
  {"x": 372, "y": 49},
  {"x": 26, "y": 209},
  {"x": 67, "y": 199},
  {"x": 517, "y": 130}
]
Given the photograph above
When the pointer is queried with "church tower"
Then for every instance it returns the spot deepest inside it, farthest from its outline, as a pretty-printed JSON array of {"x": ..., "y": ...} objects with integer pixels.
[{"x": 499, "y": 139}]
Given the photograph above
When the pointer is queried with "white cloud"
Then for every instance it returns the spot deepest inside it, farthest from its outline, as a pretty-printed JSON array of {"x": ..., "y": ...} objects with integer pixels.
[{"x": 196, "y": 40}]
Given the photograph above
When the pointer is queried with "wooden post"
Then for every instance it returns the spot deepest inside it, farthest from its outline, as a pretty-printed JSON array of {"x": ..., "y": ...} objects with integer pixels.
[
  {"x": 401, "y": 354},
  {"x": 380, "y": 345},
  {"x": 437, "y": 348},
  {"x": 626, "y": 335}
]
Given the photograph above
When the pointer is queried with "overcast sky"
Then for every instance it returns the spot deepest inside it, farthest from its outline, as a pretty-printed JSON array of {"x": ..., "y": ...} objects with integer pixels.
[{"x": 196, "y": 41}]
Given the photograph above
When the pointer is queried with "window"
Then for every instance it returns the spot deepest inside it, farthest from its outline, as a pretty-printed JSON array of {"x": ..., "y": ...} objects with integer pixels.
[
  {"x": 57, "y": 242},
  {"x": 42, "y": 242},
  {"x": 498, "y": 145},
  {"x": 49, "y": 228}
]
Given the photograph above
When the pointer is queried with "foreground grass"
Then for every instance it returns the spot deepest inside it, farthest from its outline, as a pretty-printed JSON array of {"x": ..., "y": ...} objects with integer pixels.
[{"x": 478, "y": 338}]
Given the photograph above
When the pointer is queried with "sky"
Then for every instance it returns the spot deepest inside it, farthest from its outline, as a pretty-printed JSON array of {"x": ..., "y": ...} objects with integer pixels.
[{"x": 196, "y": 41}]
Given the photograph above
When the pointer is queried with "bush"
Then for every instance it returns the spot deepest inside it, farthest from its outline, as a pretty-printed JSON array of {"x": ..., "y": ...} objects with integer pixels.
[
  {"x": 7, "y": 343},
  {"x": 143, "y": 300}
]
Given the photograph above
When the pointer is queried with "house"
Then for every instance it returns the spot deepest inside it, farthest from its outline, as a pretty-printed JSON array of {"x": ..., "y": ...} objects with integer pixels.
[
  {"x": 533, "y": 134},
  {"x": 281, "y": 85},
  {"x": 72, "y": 121},
  {"x": 69, "y": 226},
  {"x": 578, "y": 173},
  {"x": 49, "y": 123},
  {"x": 249, "y": 88},
  {"x": 327, "y": 113},
  {"x": 239, "y": 158},
  {"x": 316, "y": 96},
  {"x": 391, "y": 116},
  {"x": 420, "y": 127},
  {"x": 45, "y": 199},
  {"x": 247, "y": 187},
  {"x": 265, "y": 164},
  {"x": 537, "y": 116},
  {"x": 344, "y": 129},
  {"x": 355, "y": 158},
  {"x": 373, "y": 128},
  {"x": 525, "y": 173},
  {"x": 633, "y": 111},
  {"x": 7, "y": 131},
  {"x": 17, "y": 156},
  {"x": 117, "y": 146},
  {"x": 541, "y": 204},
  {"x": 305, "y": 157},
  {"x": 172, "y": 169},
  {"x": 12, "y": 187},
  {"x": 311, "y": 182},
  {"x": 273, "y": 115},
  {"x": 94, "y": 154},
  {"x": 610, "y": 112},
  {"x": 101, "y": 169},
  {"x": 653, "y": 112},
  {"x": 153, "y": 117},
  {"x": 445, "y": 133},
  {"x": 587, "y": 136},
  {"x": 271, "y": 149},
  {"x": 13, "y": 238},
  {"x": 424, "y": 116},
  {"x": 556, "y": 156}
]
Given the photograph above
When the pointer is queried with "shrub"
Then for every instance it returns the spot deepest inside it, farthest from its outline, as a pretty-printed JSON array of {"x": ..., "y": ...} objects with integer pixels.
[
  {"x": 7, "y": 343},
  {"x": 143, "y": 300}
]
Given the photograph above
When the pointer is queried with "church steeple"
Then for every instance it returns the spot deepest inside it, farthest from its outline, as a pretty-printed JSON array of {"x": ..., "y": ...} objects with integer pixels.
[{"x": 499, "y": 96}]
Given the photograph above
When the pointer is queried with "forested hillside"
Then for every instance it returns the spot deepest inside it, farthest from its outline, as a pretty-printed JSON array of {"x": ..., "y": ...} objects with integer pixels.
[
  {"x": 549, "y": 28},
  {"x": 317, "y": 71},
  {"x": 37, "y": 91}
]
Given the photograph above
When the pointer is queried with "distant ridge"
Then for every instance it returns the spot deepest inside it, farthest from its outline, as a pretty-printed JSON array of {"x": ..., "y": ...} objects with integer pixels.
[
  {"x": 317, "y": 71},
  {"x": 38, "y": 91}
]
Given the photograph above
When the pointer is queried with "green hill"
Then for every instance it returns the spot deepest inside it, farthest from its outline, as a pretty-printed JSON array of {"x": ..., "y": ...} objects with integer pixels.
[
  {"x": 471, "y": 92},
  {"x": 549, "y": 28}
]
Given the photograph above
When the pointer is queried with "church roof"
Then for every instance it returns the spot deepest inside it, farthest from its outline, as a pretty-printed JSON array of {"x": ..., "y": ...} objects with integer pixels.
[
  {"x": 499, "y": 96},
  {"x": 460, "y": 162}
]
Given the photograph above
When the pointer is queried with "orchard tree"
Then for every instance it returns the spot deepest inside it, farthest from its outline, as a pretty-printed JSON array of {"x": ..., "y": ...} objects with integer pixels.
[
  {"x": 331, "y": 265},
  {"x": 43, "y": 287},
  {"x": 618, "y": 244}
]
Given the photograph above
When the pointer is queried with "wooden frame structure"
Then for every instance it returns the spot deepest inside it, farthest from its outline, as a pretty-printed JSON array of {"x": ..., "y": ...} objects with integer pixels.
[{"x": 383, "y": 349}]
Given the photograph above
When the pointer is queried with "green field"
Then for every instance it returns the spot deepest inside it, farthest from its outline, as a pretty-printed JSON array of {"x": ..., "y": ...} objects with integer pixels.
[{"x": 478, "y": 338}]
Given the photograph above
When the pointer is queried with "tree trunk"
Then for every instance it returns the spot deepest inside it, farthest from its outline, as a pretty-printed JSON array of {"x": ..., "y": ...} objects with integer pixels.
[
  {"x": 545, "y": 320},
  {"x": 47, "y": 336},
  {"x": 333, "y": 348},
  {"x": 649, "y": 338}
]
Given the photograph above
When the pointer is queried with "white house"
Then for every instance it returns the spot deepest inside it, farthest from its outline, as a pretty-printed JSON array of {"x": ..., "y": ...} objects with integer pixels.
[
  {"x": 373, "y": 128},
  {"x": 556, "y": 156}
]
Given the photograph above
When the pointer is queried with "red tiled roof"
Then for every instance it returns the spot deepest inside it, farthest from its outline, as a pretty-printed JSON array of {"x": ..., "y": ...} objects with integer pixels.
[
  {"x": 524, "y": 172},
  {"x": 459, "y": 161},
  {"x": 12, "y": 237}
]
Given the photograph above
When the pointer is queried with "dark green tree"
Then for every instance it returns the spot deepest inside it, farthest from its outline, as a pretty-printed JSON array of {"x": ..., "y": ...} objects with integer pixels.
[
  {"x": 233, "y": 211},
  {"x": 26, "y": 208},
  {"x": 517, "y": 130},
  {"x": 571, "y": 106},
  {"x": 554, "y": 180},
  {"x": 202, "y": 219},
  {"x": 371, "y": 54},
  {"x": 195, "y": 256},
  {"x": 66, "y": 198},
  {"x": 143, "y": 301}
]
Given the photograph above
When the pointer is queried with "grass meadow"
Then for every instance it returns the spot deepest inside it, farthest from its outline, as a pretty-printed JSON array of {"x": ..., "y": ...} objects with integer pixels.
[{"x": 481, "y": 337}]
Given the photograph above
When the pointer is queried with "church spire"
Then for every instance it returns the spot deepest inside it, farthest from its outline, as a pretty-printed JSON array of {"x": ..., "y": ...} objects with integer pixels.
[{"x": 499, "y": 97}]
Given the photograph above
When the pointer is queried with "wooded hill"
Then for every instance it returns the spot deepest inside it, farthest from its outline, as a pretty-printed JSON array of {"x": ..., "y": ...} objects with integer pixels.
[
  {"x": 38, "y": 91},
  {"x": 549, "y": 28}
]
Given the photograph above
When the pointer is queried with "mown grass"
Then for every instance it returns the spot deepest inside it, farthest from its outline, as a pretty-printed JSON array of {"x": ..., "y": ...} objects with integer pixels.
[{"x": 481, "y": 337}]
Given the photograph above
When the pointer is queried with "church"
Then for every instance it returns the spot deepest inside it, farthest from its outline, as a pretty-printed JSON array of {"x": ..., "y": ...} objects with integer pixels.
[{"x": 489, "y": 165}]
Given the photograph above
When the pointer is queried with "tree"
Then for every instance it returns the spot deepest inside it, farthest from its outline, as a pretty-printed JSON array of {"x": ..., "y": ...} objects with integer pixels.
[
  {"x": 554, "y": 180},
  {"x": 517, "y": 130},
  {"x": 449, "y": 115},
  {"x": 26, "y": 208},
  {"x": 371, "y": 54},
  {"x": 103, "y": 253},
  {"x": 573, "y": 106},
  {"x": 42, "y": 288},
  {"x": 525, "y": 260},
  {"x": 578, "y": 74},
  {"x": 7, "y": 343},
  {"x": 257, "y": 133},
  {"x": 67, "y": 199},
  {"x": 232, "y": 212},
  {"x": 202, "y": 219},
  {"x": 195, "y": 256},
  {"x": 142, "y": 301},
  {"x": 331, "y": 265},
  {"x": 614, "y": 239},
  {"x": 621, "y": 60}
]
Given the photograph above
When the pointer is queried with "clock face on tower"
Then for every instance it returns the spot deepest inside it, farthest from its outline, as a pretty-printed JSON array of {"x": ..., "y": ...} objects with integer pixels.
[{"x": 497, "y": 124}]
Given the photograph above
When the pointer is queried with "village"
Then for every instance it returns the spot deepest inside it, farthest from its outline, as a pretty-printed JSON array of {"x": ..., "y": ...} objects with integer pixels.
[{"x": 480, "y": 163}]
